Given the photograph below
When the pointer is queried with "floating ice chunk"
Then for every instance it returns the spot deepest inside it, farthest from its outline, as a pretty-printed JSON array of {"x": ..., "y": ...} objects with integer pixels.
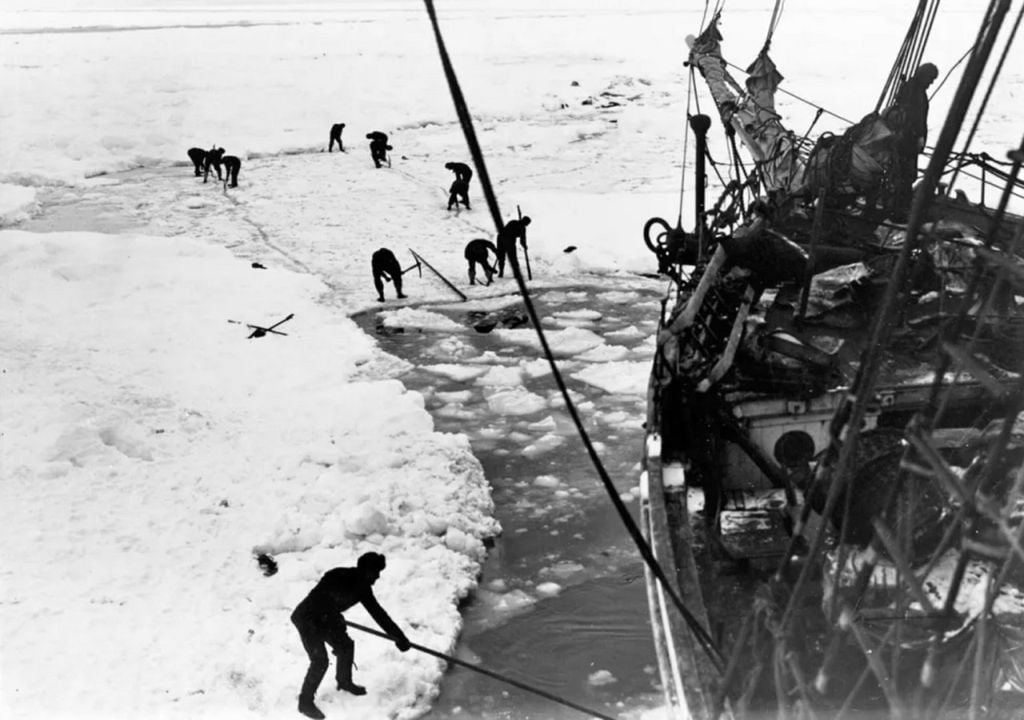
[
  {"x": 536, "y": 368},
  {"x": 419, "y": 318},
  {"x": 452, "y": 348},
  {"x": 601, "y": 677},
  {"x": 501, "y": 377},
  {"x": 582, "y": 314},
  {"x": 627, "y": 333},
  {"x": 498, "y": 585},
  {"x": 461, "y": 373},
  {"x": 515, "y": 401},
  {"x": 548, "y": 423},
  {"x": 562, "y": 570},
  {"x": 618, "y": 378},
  {"x": 548, "y": 481},
  {"x": 563, "y": 343},
  {"x": 548, "y": 589},
  {"x": 545, "y": 444},
  {"x": 605, "y": 353},
  {"x": 457, "y": 396}
]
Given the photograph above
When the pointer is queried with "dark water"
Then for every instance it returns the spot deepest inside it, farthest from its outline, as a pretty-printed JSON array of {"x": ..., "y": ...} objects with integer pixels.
[{"x": 585, "y": 638}]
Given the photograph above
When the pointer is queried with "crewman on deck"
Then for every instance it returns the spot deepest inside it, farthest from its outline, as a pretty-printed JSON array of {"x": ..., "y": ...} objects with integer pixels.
[
  {"x": 513, "y": 230},
  {"x": 385, "y": 267},
  {"x": 477, "y": 253},
  {"x": 907, "y": 117},
  {"x": 319, "y": 620},
  {"x": 458, "y": 192}
]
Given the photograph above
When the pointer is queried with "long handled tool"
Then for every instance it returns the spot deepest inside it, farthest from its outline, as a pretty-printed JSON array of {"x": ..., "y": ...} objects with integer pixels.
[
  {"x": 526, "y": 252},
  {"x": 258, "y": 331},
  {"x": 446, "y": 281},
  {"x": 483, "y": 671}
]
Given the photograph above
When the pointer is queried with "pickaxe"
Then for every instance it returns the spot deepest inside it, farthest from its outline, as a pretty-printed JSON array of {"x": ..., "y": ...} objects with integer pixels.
[{"x": 258, "y": 331}]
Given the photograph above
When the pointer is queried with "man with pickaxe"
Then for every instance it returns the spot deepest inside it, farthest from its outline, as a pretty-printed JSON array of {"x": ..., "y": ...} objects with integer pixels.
[
  {"x": 513, "y": 230},
  {"x": 386, "y": 268},
  {"x": 476, "y": 254}
]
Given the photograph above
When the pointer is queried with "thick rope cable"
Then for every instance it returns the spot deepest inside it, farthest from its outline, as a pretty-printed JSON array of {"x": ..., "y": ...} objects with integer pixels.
[
  {"x": 702, "y": 635},
  {"x": 484, "y": 671}
]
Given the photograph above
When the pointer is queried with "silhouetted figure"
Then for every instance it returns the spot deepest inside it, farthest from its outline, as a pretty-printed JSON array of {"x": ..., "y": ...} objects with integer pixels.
[
  {"x": 319, "y": 620},
  {"x": 459, "y": 192},
  {"x": 462, "y": 171},
  {"x": 336, "y": 129},
  {"x": 213, "y": 158},
  {"x": 198, "y": 158},
  {"x": 385, "y": 267},
  {"x": 476, "y": 252},
  {"x": 513, "y": 230},
  {"x": 231, "y": 167},
  {"x": 378, "y": 147},
  {"x": 907, "y": 117}
]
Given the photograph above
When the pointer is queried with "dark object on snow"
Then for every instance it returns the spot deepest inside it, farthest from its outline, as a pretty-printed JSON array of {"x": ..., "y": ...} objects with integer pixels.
[
  {"x": 571, "y": 248},
  {"x": 198, "y": 158},
  {"x": 259, "y": 331},
  {"x": 231, "y": 167},
  {"x": 385, "y": 267},
  {"x": 379, "y": 147},
  {"x": 259, "y": 266},
  {"x": 213, "y": 159},
  {"x": 320, "y": 622},
  {"x": 336, "y": 129},
  {"x": 267, "y": 564},
  {"x": 476, "y": 253}
]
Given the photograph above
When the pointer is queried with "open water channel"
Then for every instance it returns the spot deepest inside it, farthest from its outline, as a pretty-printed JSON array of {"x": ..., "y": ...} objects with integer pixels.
[{"x": 562, "y": 605}]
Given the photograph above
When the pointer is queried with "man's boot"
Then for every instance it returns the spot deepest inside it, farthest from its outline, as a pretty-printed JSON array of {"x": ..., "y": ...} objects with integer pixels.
[
  {"x": 344, "y": 651},
  {"x": 308, "y": 708}
]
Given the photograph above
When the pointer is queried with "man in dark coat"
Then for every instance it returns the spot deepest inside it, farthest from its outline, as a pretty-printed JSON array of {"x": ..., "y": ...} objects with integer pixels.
[
  {"x": 907, "y": 117},
  {"x": 378, "y": 147},
  {"x": 385, "y": 267},
  {"x": 336, "y": 129},
  {"x": 319, "y": 620},
  {"x": 459, "y": 192},
  {"x": 462, "y": 171},
  {"x": 198, "y": 158},
  {"x": 213, "y": 158},
  {"x": 476, "y": 252},
  {"x": 231, "y": 167},
  {"x": 513, "y": 230}
]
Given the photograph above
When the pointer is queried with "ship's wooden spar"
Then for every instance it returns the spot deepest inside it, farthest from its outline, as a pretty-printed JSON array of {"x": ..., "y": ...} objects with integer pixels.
[{"x": 750, "y": 111}]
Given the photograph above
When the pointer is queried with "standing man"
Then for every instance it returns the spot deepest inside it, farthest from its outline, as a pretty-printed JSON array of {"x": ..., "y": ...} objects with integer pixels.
[
  {"x": 476, "y": 252},
  {"x": 907, "y": 117},
  {"x": 513, "y": 230},
  {"x": 336, "y": 129},
  {"x": 378, "y": 147},
  {"x": 319, "y": 620},
  {"x": 385, "y": 267}
]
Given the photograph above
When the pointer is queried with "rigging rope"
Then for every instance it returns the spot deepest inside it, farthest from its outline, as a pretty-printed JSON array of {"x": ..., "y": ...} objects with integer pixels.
[
  {"x": 702, "y": 635},
  {"x": 484, "y": 671}
]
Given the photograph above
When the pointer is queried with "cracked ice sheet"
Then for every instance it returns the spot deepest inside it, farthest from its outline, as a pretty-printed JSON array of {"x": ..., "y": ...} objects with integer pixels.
[{"x": 617, "y": 378}]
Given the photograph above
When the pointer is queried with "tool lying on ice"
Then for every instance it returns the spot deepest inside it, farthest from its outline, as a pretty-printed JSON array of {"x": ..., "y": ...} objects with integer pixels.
[{"x": 259, "y": 331}]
